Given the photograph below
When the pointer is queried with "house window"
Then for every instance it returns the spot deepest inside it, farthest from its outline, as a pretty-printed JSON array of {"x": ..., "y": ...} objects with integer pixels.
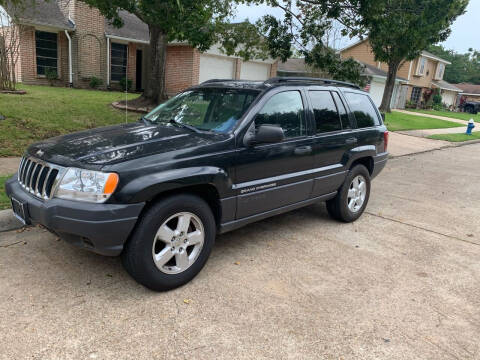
[
  {"x": 416, "y": 92},
  {"x": 46, "y": 52},
  {"x": 421, "y": 66},
  {"x": 440, "y": 71},
  {"x": 118, "y": 61}
]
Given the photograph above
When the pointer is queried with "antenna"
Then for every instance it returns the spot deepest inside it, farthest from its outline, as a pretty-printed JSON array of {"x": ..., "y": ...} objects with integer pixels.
[{"x": 126, "y": 90}]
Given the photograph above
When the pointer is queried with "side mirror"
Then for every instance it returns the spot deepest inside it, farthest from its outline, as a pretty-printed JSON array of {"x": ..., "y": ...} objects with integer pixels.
[
  {"x": 383, "y": 116},
  {"x": 265, "y": 134}
]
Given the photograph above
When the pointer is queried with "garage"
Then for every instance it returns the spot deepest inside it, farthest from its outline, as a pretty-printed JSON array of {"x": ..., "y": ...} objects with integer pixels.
[
  {"x": 255, "y": 71},
  {"x": 216, "y": 67},
  {"x": 377, "y": 87}
]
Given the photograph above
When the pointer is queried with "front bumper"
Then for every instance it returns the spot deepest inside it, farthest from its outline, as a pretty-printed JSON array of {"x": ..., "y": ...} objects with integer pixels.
[{"x": 101, "y": 228}]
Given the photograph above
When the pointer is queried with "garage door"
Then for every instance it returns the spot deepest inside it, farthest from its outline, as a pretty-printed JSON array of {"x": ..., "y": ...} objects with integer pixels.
[
  {"x": 255, "y": 71},
  {"x": 376, "y": 91},
  {"x": 216, "y": 67}
]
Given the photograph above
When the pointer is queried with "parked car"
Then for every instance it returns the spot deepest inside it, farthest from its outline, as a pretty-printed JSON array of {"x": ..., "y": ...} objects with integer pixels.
[
  {"x": 216, "y": 157},
  {"x": 471, "y": 107}
]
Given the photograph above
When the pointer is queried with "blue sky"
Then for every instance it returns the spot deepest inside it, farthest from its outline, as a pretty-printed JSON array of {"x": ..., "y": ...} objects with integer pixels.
[{"x": 465, "y": 30}]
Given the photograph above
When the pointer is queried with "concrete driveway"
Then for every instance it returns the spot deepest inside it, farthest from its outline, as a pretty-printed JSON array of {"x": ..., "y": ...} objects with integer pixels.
[{"x": 403, "y": 282}]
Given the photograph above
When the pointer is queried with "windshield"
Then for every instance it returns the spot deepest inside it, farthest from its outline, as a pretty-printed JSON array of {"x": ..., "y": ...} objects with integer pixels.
[{"x": 206, "y": 109}]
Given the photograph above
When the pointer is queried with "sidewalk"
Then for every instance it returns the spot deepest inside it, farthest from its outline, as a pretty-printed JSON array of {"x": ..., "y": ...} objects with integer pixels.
[
  {"x": 9, "y": 165},
  {"x": 402, "y": 144},
  {"x": 463, "y": 122},
  {"x": 428, "y": 132}
]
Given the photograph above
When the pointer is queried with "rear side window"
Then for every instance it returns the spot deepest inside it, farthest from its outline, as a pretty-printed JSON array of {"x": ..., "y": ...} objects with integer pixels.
[
  {"x": 325, "y": 111},
  {"x": 341, "y": 111},
  {"x": 285, "y": 110},
  {"x": 363, "y": 109}
]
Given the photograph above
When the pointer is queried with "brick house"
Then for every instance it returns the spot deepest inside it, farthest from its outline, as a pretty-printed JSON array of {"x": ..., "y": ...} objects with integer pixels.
[
  {"x": 78, "y": 43},
  {"x": 415, "y": 78}
]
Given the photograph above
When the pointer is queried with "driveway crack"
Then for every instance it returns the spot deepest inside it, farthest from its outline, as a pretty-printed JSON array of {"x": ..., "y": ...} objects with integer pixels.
[{"x": 422, "y": 228}]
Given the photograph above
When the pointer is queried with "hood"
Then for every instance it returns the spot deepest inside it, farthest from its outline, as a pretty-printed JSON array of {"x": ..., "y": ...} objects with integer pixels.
[{"x": 117, "y": 143}]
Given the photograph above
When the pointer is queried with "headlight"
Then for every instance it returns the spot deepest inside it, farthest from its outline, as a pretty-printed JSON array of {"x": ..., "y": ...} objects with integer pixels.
[{"x": 86, "y": 185}]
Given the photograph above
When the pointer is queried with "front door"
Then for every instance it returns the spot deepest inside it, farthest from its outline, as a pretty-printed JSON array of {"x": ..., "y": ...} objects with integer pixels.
[
  {"x": 269, "y": 176},
  {"x": 139, "y": 73}
]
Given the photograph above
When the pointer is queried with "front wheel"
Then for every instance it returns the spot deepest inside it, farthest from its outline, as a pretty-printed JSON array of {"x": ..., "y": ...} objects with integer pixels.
[
  {"x": 171, "y": 242},
  {"x": 352, "y": 197}
]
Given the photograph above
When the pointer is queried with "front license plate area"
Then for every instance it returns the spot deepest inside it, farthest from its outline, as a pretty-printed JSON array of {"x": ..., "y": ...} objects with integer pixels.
[{"x": 20, "y": 211}]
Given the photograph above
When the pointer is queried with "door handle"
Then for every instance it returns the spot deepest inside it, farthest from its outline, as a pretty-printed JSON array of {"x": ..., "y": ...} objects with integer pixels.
[
  {"x": 303, "y": 150},
  {"x": 352, "y": 140}
]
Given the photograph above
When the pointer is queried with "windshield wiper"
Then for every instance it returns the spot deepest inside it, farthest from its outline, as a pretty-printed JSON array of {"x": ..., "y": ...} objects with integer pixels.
[
  {"x": 179, "y": 124},
  {"x": 146, "y": 121}
]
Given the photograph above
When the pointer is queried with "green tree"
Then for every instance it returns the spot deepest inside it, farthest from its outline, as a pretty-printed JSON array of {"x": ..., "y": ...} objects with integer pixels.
[
  {"x": 398, "y": 30},
  {"x": 304, "y": 31},
  {"x": 463, "y": 67},
  {"x": 196, "y": 22}
]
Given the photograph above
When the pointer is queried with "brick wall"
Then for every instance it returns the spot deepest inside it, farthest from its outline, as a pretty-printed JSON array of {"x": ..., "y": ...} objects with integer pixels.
[
  {"x": 89, "y": 44},
  {"x": 132, "y": 64},
  {"x": 182, "y": 68}
]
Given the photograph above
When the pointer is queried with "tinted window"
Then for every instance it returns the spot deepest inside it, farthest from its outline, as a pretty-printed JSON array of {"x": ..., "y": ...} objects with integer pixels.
[
  {"x": 285, "y": 110},
  {"x": 118, "y": 61},
  {"x": 363, "y": 109},
  {"x": 46, "y": 52},
  {"x": 342, "y": 111},
  {"x": 325, "y": 111}
]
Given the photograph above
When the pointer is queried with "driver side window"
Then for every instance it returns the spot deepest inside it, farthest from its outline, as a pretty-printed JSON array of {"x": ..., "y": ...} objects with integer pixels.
[{"x": 285, "y": 110}]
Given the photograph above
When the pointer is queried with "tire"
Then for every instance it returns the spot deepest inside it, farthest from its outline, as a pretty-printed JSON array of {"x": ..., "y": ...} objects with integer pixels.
[
  {"x": 338, "y": 207},
  {"x": 470, "y": 110},
  {"x": 160, "y": 224}
]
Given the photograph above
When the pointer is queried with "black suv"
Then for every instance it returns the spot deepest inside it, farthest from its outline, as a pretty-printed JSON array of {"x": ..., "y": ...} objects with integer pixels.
[{"x": 215, "y": 157}]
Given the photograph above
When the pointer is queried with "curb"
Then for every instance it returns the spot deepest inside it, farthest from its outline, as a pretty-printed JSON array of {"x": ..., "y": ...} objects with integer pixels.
[
  {"x": 8, "y": 222},
  {"x": 119, "y": 106}
]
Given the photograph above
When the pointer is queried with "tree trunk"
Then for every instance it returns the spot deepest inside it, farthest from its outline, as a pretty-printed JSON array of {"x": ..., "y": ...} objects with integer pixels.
[
  {"x": 155, "y": 91},
  {"x": 389, "y": 86}
]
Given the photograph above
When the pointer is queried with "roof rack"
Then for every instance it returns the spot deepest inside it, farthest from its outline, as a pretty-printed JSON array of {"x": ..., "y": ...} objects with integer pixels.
[
  {"x": 276, "y": 80},
  {"x": 222, "y": 80}
]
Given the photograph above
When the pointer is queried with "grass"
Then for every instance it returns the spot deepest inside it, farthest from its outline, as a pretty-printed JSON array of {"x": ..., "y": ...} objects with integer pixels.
[
  {"x": 450, "y": 114},
  {"x": 396, "y": 121},
  {"x": 50, "y": 111},
  {"x": 4, "y": 200},
  {"x": 456, "y": 137}
]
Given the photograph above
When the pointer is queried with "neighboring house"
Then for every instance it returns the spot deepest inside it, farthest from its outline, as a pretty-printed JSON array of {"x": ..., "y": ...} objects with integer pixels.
[
  {"x": 376, "y": 77},
  {"x": 471, "y": 92},
  {"x": 422, "y": 75},
  {"x": 78, "y": 43}
]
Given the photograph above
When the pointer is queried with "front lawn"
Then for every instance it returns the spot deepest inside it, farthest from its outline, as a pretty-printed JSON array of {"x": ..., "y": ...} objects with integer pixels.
[
  {"x": 4, "y": 200},
  {"x": 456, "y": 137},
  {"x": 450, "y": 114},
  {"x": 47, "y": 111},
  {"x": 396, "y": 121}
]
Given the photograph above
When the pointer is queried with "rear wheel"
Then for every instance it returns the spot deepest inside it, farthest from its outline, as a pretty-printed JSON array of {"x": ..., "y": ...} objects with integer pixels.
[
  {"x": 171, "y": 243},
  {"x": 352, "y": 197}
]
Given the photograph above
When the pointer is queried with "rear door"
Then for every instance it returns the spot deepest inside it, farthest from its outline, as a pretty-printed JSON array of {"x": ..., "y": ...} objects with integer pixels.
[
  {"x": 367, "y": 121},
  {"x": 269, "y": 176},
  {"x": 333, "y": 138}
]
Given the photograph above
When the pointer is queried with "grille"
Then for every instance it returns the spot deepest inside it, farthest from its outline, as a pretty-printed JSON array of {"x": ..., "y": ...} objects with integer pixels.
[{"x": 37, "y": 177}]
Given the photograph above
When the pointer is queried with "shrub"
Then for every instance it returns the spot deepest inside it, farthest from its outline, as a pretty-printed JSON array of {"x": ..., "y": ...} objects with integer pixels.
[
  {"x": 51, "y": 76},
  {"x": 437, "y": 99},
  {"x": 95, "y": 82},
  {"x": 126, "y": 84}
]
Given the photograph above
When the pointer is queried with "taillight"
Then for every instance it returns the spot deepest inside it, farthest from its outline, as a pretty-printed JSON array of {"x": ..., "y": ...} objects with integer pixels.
[{"x": 385, "y": 140}]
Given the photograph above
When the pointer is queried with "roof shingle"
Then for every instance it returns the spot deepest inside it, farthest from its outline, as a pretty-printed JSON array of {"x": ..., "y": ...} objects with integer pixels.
[
  {"x": 40, "y": 12},
  {"x": 133, "y": 28}
]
